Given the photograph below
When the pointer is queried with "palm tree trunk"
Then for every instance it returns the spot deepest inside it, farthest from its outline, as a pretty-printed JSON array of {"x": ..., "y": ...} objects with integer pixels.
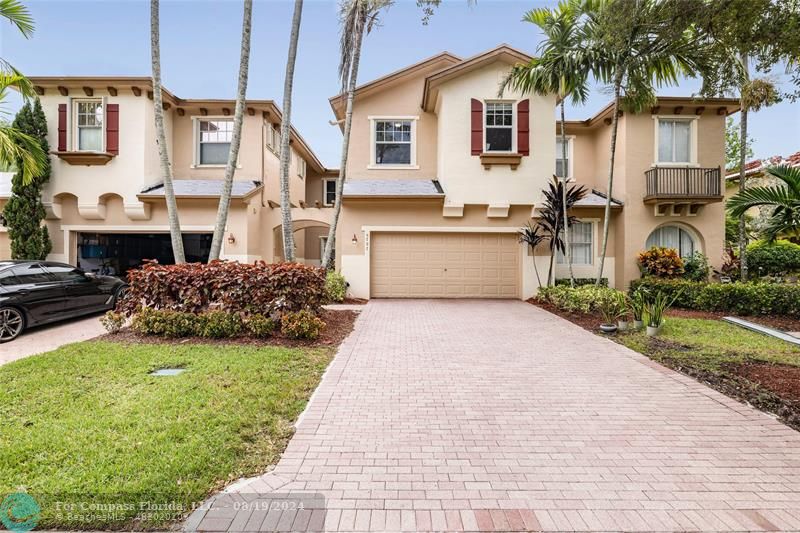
[
  {"x": 236, "y": 137},
  {"x": 550, "y": 280},
  {"x": 613, "y": 150},
  {"x": 330, "y": 245},
  {"x": 286, "y": 207},
  {"x": 163, "y": 154},
  {"x": 565, "y": 171},
  {"x": 742, "y": 179},
  {"x": 536, "y": 268}
]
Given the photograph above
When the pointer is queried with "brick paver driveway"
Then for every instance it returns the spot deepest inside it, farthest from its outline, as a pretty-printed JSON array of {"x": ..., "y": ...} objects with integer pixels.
[{"x": 495, "y": 415}]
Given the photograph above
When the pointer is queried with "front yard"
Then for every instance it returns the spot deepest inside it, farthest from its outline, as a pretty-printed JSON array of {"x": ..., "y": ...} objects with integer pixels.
[{"x": 87, "y": 424}]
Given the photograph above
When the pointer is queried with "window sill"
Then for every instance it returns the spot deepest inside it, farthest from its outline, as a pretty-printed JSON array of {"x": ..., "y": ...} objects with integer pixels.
[
  {"x": 392, "y": 167},
  {"x": 85, "y": 158},
  {"x": 488, "y": 159},
  {"x": 680, "y": 165},
  {"x": 214, "y": 166}
]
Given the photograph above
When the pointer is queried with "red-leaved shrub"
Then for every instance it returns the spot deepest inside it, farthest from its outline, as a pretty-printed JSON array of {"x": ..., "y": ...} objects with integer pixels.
[
  {"x": 660, "y": 262},
  {"x": 226, "y": 285}
]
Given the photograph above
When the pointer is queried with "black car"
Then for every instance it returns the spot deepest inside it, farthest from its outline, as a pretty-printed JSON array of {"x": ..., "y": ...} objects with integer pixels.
[{"x": 38, "y": 292}]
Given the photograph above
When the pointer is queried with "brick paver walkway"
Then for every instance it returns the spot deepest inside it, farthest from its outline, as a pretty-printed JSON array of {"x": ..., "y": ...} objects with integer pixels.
[{"x": 495, "y": 415}]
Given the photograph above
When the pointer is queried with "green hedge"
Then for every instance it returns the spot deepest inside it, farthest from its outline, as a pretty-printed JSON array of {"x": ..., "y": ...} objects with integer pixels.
[
  {"x": 767, "y": 259},
  {"x": 736, "y": 298},
  {"x": 583, "y": 299},
  {"x": 580, "y": 282}
]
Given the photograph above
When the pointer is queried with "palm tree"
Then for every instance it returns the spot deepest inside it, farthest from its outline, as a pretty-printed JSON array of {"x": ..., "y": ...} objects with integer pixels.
[
  {"x": 784, "y": 198},
  {"x": 236, "y": 137},
  {"x": 533, "y": 236},
  {"x": 161, "y": 137},
  {"x": 557, "y": 199},
  {"x": 286, "y": 128},
  {"x": 635, "y": 45},
  {"x": 17, "y": 148},
  {"x": 558, "y": 70}
]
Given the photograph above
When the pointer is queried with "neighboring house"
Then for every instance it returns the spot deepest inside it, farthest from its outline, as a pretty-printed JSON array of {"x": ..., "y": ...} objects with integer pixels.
[
  {"x": 5, "y": 194},
  {"x": 442, "y": 172},
  {"x": 105, "y": 199}
]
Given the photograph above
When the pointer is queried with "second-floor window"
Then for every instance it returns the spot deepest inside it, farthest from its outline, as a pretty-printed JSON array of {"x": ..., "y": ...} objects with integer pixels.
[
  {"x": 393, "y": 142},
  {"x": 563, "y": 166},
  {"x": 499, "y": 126},
  {"x": 214, "y": 141},
  {"x": 301, "y": 166},
  {"x": 89, "y": 125},
  {"x": 674, "y": 141},
  {"x": 328, "y": 192}
]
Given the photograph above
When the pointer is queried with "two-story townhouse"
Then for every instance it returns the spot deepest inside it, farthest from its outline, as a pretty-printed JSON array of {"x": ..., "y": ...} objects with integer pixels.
[
  {"x": 443, "y": 171},
  {"x": 105, "y": 200}
]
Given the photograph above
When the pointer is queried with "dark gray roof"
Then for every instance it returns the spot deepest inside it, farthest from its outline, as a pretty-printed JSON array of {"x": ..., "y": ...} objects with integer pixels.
[
  {"x": 596, "y": 199},
  {"x": 393, "y": 188},
  {"x": 202, "y": 188}
]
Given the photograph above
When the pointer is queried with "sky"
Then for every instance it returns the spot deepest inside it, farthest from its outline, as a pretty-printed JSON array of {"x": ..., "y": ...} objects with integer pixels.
[{"x": 200, "y": 43}]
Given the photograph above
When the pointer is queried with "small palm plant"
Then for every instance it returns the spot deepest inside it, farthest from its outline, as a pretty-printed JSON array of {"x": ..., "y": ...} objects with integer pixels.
[
  {"x": 783, "y": 198},
  {"x": 533, "y": 236}
]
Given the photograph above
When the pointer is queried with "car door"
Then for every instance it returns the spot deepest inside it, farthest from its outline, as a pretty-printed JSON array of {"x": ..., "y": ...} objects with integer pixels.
[
  {"x": 38, "y": 292},
  {"x": 83, "y": 294}
]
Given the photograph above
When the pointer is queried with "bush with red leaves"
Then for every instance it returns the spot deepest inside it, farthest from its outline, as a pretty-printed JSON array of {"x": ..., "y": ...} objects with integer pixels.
[{"x": 261, "y": 288}]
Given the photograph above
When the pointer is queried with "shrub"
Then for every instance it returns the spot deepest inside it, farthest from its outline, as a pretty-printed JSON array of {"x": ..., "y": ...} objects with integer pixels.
[
  {"x": 585, "y": 299},
  {"x": 695, "y": 268},
  {"x": 112, "y": 321},
  {"x": 580, "y": 282},
  {"x": 301, "y": 325},
  {"x": 260, "y": 326},
  {"x": 219, "y": 324},
  {"x": 335, "y": 286},
  {"x": 766, "y": 259},
  {"x": 660, "y": 262},
  {"x": 736, "y": 298},
  {"x": 225, "y": 285},
  {"x": 165, "y": 323}
]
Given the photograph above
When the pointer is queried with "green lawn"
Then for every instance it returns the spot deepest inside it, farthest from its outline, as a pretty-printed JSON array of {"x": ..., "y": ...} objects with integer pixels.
[{"x": 87, "y": 424}]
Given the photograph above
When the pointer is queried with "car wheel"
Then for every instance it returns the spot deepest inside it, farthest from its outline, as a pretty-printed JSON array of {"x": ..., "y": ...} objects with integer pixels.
[
  {"x": 11, "y": 324},
  {"x": 121, "y": 292}
]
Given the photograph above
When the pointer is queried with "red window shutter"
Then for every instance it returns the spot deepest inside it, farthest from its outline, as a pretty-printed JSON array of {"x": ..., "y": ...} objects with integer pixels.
[
  {"x": 476, "y": 137},
  {"x": 112, "y": 128},
  {"x": 523, "y": 127},
  {"x": 62, "y": 127}
]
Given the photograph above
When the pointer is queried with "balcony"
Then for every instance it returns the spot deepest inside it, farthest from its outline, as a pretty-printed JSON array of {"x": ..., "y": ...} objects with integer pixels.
[{"x": 682, "y": 187}]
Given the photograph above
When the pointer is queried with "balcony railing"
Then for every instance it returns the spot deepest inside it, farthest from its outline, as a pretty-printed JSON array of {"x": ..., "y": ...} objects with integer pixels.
[{"x": 684, "y": 183}]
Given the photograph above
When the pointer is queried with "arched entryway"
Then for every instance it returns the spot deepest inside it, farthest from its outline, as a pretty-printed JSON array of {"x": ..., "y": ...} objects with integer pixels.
[
  {"x": 310, "y": 237},
  {"x": 680, "y": 237}
]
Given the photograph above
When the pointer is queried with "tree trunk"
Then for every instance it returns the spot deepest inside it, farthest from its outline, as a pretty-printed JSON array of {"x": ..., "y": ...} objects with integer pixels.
[
  {"x": 742, "y": 178},
  {"x": 286, "y": 125},
  {"x": 536, "y": 268},
  {"x": 607, "y": 212},
  {"x": 163, "y": 154},
  {"x": 565, "y": 171},
  {"x": 236, "y": 137},
  {"x": 550, "y": 280},
  {"x": 330, "y": 245}
]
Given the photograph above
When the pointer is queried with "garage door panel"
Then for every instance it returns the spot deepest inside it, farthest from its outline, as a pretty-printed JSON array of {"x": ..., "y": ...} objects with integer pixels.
[{"x": 453, "y": 265}]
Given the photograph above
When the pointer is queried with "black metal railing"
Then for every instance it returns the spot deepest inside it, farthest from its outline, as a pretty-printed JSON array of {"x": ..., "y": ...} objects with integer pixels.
[{"x": 683, "y": 182}]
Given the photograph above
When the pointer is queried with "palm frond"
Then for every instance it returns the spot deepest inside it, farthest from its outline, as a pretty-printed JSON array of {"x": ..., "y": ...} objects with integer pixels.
[
  {"x": 22, "y": 150},
  {"x": 18, "y": 15}
]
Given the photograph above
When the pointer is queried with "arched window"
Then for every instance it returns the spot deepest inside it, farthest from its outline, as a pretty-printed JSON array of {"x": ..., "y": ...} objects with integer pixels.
[{"x": 673, "y": 237}]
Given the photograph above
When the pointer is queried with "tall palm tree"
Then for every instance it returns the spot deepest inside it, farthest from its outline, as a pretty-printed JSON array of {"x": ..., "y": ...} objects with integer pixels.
[
  {"x": 17, "y": 148},
  {"x": 558, "y": 70},
  {"x": 558, "y": 197},
  {"x": 161, "y": 137},
  {"x": 236, "y": 137},
  {"x": 286, "y": 128},
  {"x": 636, "y": 46},
  {"x": 784, "y": 198}
]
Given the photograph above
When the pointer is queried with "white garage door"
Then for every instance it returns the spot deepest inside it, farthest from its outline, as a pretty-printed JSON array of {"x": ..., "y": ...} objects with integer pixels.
[{"x": 444, "y": 265}]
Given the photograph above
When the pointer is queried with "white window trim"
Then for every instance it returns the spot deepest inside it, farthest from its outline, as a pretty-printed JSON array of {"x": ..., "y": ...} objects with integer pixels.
[
  {"x": 325, "y": 191},
  {"x": 692, "y": 142},
  {"x": 514, "y": 148},
  {"x": 594, "y": 222},
  {"x": 413, "y": 164},
  {"x": 196, "y": 141},
  {"x": 301, "y": 165},
  {"x": 72, "y": 128},
  {"x": 570, "y": 155}
]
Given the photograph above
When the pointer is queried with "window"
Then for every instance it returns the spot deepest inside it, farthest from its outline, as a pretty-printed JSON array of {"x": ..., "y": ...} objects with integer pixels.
[
  {"x": 30, "y": 274},
  {"x": 301, "y": 166},
  {"x": 392, "y": 142},
  {"x": 499, "y": 126},
  {"x": 328, "y": 192},
  {"x": 674, "y": 140},
  {"x": 7, "y": 278},
  {"x": 67, "y": 273},
  {"x": 580, "y": 241},
  {"x": 89, "y": 125},
  {"x": 215, "y": 141},
  {"x": 563, "y": 166},
  {"x": 673, "y": 237}
]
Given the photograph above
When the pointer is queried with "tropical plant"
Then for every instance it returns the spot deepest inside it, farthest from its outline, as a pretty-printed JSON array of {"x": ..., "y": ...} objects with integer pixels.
[
  {"x": 236, "y": 136},
  {"x": 533, "y": 236},
  {"x": 784, "y": 199},
  {"x": 635, "y": 46},
  {"x": 657, "y": 304},
  {"x": 637, "y": 304},
  {"x": 24, "y": 212},
  {"x": 660, "y": 262},
  {"x": 335, "y": 286},
  {"x": 557, "y": 69},
  {"x": 695, "y": 267},
  {"x": 161, "y": 137},
  {"x": 612, "y": 306},
  {"x": 287, "y": 228},
  {"x": 551, "y": 219},
  {"x": 773, "y": 258}
]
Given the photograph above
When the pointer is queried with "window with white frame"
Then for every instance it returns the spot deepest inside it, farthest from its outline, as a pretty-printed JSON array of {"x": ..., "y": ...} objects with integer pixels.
[
  {"x": 328, "y": 192},
  {"x": 89, "y": 125},
  {"x": 581, "y": 243},
  {"x": 393, "y": 142},
  {"x": 563, "y": 166},
  {"x": 301, "y": 166},
  {"x": 674, "y": 140},
  {"x": 214, "y": 141},
  {"x": 499, "y": 126},
  {"x": 673, "y": 237}
]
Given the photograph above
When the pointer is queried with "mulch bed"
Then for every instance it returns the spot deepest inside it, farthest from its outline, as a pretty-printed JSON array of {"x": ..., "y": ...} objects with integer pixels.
[
  {"x": 338, "y": 325},
  {"x": 355, "y": 301}
]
